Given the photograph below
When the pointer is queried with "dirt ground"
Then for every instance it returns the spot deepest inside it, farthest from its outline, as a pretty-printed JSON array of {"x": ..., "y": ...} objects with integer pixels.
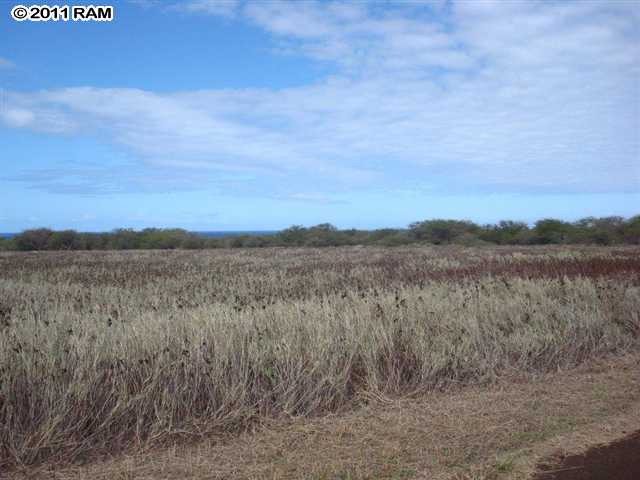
[
  {"x": 618, "y": 460},
  {"x": 508, "y": 430}
]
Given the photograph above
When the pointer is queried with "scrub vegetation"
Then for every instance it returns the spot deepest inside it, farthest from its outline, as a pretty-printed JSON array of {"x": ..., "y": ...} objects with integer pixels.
[
  {"x": 590, "y": 230},
  {"x": 101, "y": 351}
]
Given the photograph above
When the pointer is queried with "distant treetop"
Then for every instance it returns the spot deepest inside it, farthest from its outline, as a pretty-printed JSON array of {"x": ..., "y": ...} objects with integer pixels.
[{"x": 590, "y": 230}]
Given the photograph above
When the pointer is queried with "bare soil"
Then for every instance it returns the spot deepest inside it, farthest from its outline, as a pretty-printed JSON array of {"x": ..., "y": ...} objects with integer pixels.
[{"x": 618, "y": 460}]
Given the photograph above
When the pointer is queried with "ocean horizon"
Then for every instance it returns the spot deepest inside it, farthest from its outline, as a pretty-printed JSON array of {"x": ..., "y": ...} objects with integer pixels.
[{"x": 206, "y": 233}]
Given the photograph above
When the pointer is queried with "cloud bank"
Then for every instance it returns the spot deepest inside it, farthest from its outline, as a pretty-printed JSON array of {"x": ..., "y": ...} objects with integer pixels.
[{"x": 432, "y": 96}]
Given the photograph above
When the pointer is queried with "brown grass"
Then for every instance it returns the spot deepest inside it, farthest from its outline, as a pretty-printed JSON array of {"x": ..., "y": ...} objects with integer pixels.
[
  {"x": 101, "y": 352},
  {"x": 498, "y": 431}
]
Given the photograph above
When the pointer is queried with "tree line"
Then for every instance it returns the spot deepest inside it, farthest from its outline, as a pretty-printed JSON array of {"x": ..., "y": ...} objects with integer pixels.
[{"x": 591, "y": 230}]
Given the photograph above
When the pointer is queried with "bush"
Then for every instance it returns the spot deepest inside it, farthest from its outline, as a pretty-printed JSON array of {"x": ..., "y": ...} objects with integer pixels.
[
  {"x": 64, "y": 240},
  {"x": 551, "y": 230},
  {"x": 7, "y": 244},
  {"x": 470, "y": 240},
  {"x": 590, "y": 230},
  {"x": 631, "y": 231},
  {"x": 393, "y": 238},
  {"x": 506, "y": 232},
  {"x": 441, "y": 231},
  {"x": 35, "y": 239}
]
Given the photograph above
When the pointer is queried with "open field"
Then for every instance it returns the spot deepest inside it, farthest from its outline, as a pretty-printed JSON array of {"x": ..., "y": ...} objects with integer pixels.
[
  {"x": 483, "y": 432},
  {"x": 106, "y": 352}
]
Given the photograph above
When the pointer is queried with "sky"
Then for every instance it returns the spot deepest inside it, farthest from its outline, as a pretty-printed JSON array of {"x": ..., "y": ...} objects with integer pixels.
[{"x": 257, "y": 115}]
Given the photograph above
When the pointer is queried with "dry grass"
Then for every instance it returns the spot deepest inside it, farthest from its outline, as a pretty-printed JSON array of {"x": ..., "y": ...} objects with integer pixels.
[
  {"x": 498, "y": 431},
  {"x": 106, "y": 351}
]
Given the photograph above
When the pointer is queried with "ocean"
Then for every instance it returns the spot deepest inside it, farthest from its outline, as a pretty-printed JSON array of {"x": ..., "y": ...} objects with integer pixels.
[{"x": 212, "y": 233}]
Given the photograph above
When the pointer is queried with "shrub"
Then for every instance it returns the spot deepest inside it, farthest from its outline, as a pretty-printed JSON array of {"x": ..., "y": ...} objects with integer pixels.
[
  {"x": 441, "y": 231},
  {"x": 590, "y": 230},
  {"x": 35, "y": 239}
]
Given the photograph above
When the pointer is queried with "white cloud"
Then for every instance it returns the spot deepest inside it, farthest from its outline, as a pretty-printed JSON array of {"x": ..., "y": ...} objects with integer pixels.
[
  {"x": 508, "y": 96},
  {"x": 314, "y": 198},
  {"x": 17, "y": 117},
  {"x": 34, "y": 114},
  {"x": 225, "y": 8},
  {"x": 359, "y": 36}
]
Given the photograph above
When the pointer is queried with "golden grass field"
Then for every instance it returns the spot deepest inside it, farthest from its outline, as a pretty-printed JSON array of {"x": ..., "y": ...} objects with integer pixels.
[{"x": 334, "y": 363}]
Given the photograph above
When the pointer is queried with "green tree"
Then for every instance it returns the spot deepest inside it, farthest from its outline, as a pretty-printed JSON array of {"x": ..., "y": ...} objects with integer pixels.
[
  {"x": 390, "y": 237},
  {"x": 551, "y": 230},
  {"x": 323, "y": 235},
  {"x": 505, "y": 232},
  {"x": 33, "y": 239},
  {"x": 7, "y": 244},
  {"x": 440, "y": 231},
  {"x": 631, "y": 231},
  {"x": 294, "y": 235},
  {"x": 64, "y": 240},
  {"x": 123, "y": 239},
  {"x": 601, "y": 231}
]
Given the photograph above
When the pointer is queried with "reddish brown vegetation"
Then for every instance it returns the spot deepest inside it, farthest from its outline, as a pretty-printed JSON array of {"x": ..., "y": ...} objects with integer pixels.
[{"x": 102, "y": 350}]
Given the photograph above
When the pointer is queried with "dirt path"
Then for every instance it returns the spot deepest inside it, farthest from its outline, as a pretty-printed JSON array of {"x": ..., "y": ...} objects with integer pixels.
[
  {"x": 475, "y": 433},
  {"x": 619, "y": 460}
]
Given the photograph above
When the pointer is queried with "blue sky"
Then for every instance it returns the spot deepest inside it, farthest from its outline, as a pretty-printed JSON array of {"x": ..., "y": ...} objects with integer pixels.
[{"x": 231, "y": 115}]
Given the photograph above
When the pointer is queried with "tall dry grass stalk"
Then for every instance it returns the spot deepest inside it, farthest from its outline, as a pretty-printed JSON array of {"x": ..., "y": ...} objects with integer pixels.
[{"x": 103, "y": 350}]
